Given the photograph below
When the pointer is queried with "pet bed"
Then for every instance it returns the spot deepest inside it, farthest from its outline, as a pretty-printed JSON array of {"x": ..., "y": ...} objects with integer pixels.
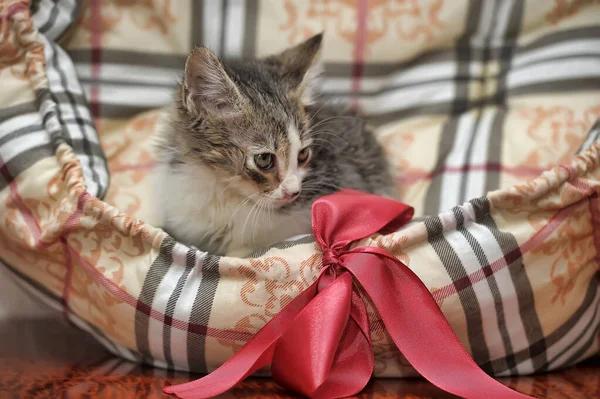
[{"x": 486, "y": 111}]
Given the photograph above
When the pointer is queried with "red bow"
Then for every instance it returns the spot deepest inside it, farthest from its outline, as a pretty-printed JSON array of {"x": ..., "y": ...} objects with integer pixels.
[{"x": 319, "y": 345}]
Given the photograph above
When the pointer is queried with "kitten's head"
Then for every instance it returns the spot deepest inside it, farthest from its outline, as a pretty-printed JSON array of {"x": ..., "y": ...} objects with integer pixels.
[{"x": 247, "y": 120}]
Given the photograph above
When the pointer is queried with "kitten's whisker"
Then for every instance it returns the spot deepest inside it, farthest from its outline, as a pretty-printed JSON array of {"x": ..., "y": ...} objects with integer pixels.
[
  {"x": 322, "y": 141},
  {"x": 240, "y": 206},
  {"x": 333, "y": 118},
  {"x": 247, "y": 218},
  {"x": 320, "y": 109},
  {"x": 329, "y": 132},
  {"x": 254, "y": 221}
]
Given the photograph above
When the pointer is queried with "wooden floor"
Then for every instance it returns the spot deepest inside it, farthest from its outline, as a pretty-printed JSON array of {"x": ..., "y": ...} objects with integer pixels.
[{"x": 50, "y": 359}]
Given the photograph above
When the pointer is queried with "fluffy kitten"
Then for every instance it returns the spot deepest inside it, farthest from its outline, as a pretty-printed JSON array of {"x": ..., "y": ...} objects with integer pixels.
[{"x": 246, "y": 151}]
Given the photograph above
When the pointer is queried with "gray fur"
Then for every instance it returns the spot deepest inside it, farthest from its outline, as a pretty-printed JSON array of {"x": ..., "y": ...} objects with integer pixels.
[{"x": 345, "y": 155}]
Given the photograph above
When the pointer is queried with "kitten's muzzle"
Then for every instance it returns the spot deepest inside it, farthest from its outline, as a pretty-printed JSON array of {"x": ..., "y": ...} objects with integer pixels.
[{"x": 290, "y": 195}]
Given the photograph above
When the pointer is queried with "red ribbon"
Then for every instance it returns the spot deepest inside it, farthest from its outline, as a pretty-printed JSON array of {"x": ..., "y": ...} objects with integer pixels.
[{"x": 319, "y": 345}]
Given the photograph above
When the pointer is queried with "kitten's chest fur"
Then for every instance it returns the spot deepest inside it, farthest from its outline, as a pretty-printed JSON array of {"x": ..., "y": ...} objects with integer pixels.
[{"x": 201, "y": 210}]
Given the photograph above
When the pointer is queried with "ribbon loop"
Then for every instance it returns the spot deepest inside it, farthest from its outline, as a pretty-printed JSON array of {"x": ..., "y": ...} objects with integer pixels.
[{"x": 320, "y": 346}]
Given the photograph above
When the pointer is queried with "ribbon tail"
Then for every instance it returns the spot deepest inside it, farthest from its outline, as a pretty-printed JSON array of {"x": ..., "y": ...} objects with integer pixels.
[
  {"x": 307, "y": 351},
  {"x": 257, "y": 353},
  {"x": 353, "y": 365},
  {"x": 418, "y": 327}
]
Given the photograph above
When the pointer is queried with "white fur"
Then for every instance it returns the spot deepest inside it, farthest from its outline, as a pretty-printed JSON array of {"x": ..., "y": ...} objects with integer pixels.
[{"x": 197, "y": 206}]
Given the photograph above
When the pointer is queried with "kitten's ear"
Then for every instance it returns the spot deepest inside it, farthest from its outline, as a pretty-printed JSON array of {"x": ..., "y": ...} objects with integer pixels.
[
  {"x": 207, "y": 90},
  {"x": 302, "y": 66}
]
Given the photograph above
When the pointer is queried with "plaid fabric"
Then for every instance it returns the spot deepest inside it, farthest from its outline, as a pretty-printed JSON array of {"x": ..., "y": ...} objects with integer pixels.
[
  {"x": 505, "y": 90},
  {"x": 27, "y": 135}
]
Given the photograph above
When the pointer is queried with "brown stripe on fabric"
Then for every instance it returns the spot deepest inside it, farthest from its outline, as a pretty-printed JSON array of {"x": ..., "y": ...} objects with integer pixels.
[
  {"x": 78, "y": 99},
  {"x": 17, "y": 110},
  {"x": 479, "y": 111},
  {"x": 61, "y": 98},
  {"x": 197, "y": 22},
  {"x": 482, "y": 207},
  {"x": 494, "y": 150},
  {"x": 526, "y": 299},
  {"x": 156, "y": 273},
  {"x": 84, "y": 147},
  {"x": 51, "y": 19},
  {"x": 72, "y": 100},
  {"x": 333, "y": 69},
  {"x": 250, "y": 29},
  {"x": 283, "y": 245},
  {"x": 581, "y": 83},
  {"x": 589, "y": 301},
  {"x": 130, "y": 84},
  {"x": 592, "y": 136},
  {"x": 569, "y": 57},
  {"x": 584, "y": 347},
  {"x": 96, "y": 149},
  {"x": 190, "y": 261},
  {"x": 419, "y": 110},
  {"x": 460, "y": 104},
  {"x": 432, "y": 197},
  {"x": 109, "y": 56},
  {"x": 503, "y": 54},
  {"x": 23, "y": 161},
  {"x": 396, "y": 87},
  {"x": 200, "y": 314},
  {"x": 465, "y": 290},
  {"x": 558, "y": 36}
]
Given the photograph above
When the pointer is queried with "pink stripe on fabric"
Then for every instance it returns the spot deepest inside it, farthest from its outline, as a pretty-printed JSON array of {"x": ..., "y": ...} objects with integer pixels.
[
  {"x": 71, "y": 222},
  {"x": 30, "y": 220},
  {"x": 359, "y": 50},
  {"x": 479, "y": 275},
  {"x": 585, "y": 188},
  {"x": 96, "y": 56}
]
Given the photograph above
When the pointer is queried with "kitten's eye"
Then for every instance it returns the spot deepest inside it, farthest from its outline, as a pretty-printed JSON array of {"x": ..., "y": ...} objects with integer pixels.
[
  {"x": 303, "y": 155},
  {"x": 265, "y": 161}
]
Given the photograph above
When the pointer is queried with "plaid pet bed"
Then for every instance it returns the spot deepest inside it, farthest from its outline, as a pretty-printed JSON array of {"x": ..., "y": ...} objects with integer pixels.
[{"x": 476, "y": 102}]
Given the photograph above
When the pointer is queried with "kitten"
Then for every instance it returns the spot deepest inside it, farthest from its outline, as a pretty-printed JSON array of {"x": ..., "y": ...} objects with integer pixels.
[{"x": 247, "y": 151}]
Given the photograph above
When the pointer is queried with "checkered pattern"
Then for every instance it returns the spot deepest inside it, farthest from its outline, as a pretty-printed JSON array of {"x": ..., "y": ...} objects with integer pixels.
[
  {"x": 515, "y": 271},
  {"x": 66, "y": 98},
  {"x": 28, "y": 135}
]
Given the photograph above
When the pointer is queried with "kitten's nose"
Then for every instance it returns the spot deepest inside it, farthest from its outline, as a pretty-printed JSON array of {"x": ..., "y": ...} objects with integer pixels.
[
  {"x": 291, "y": 187},
  {"x": 289, "y": 194}
]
